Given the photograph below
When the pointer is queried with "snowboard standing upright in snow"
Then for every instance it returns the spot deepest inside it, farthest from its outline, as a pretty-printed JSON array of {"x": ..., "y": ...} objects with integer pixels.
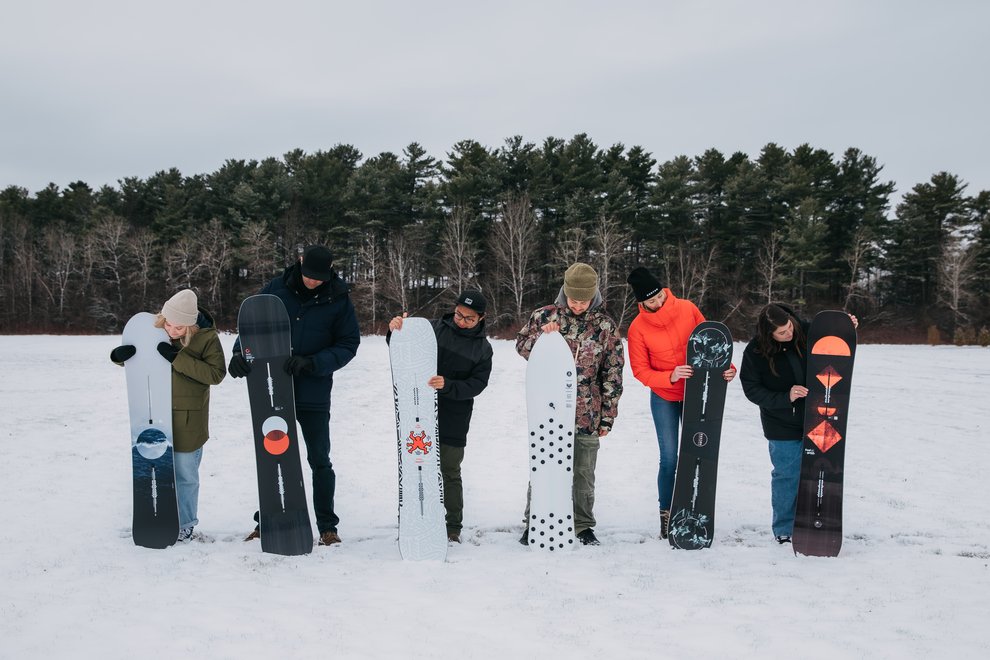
[
  {"x": 265, "y": 339},
  {"x": 831, "y": 352},
  {"x": 551, "y": 384},
  {"x": 692, "y": 509},
  {"x": 412, "y": 352},
  {"x": 149, "y": 399}
]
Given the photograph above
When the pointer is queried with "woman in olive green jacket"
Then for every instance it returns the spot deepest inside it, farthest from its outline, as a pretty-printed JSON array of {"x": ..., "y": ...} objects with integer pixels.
[{"x": 197, "y": 362}]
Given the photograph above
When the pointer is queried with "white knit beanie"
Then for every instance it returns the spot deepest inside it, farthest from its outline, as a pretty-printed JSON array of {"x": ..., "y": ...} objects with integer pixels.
[{"x": 181, "y": 308}]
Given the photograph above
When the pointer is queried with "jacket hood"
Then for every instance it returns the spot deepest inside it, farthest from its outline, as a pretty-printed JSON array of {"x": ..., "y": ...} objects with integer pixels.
[{"x": 596, "y": 302}]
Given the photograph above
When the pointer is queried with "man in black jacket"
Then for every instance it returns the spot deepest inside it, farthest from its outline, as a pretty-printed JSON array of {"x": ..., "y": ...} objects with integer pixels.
[
  {"x": 464, "y": 363},
  {"x": 325, "y": 337}
]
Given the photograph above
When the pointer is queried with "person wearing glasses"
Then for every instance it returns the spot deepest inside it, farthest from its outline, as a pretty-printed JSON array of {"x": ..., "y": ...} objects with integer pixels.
[
  {"x": 593, "y": 338},
  {"x": 325, "y": 337},
  {"x": 464, "y": 363}
]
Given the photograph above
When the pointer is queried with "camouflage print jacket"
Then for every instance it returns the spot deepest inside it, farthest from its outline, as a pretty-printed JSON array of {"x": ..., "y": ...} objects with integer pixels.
[{"x": 598, "y": 355}]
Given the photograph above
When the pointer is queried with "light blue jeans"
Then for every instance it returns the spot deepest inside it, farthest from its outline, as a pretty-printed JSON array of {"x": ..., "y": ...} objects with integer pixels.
[
  {"x": 785, "y": 456},
  {"x": 667, "y": 420},
  {"x": 187, "y": 485}
]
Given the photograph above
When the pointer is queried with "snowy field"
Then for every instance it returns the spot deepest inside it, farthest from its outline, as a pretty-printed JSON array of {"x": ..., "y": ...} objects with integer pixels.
[{"x": 912, "y": 580}]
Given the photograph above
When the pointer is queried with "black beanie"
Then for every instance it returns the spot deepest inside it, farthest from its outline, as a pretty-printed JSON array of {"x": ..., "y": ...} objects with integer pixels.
[{"x": 644, "y": 285}]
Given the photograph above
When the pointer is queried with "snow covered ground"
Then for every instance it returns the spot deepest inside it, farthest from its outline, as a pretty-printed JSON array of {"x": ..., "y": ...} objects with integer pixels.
[{"x": 912, "y": 579}]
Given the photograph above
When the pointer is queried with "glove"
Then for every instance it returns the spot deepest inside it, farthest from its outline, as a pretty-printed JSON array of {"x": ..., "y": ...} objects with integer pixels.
[
  {"x": 297, "y": 365},
  {"x": 167, "y": 350},
  {"x": 122, "y": 353},
  {"x": 238, "y": 367}
]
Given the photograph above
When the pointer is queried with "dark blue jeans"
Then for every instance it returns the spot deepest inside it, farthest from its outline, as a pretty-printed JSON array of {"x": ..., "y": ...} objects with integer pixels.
[
  {"x": 315, "y": 426},
  {"x": 667, "y": 420}
]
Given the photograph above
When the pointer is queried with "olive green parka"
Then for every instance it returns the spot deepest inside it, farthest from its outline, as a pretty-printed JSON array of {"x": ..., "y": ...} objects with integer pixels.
[{"x": 195, "y": 368}]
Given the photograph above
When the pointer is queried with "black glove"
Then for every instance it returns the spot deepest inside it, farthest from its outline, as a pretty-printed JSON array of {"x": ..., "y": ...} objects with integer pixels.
[
  {"x": 238, "y": 367},
  {"x": 122, "y": 353},
  {"x": 167, "y": 350},
  {"x": 297, "y": 365}
]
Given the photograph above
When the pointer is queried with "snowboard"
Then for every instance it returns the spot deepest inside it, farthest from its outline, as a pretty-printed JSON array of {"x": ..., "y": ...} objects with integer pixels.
[
  {"x": 149, "y": 400},
  {"x": 551, "y": 384},
  {"x": 422, "y": 518},
  {"x": 831, "y": 351},
  {"x": 692, "y": 508},
  {"x": 265, "y": 337}
]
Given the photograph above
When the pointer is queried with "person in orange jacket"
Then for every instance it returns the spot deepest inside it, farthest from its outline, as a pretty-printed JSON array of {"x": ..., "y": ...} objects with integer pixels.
[{"x": 658, "y": 339}]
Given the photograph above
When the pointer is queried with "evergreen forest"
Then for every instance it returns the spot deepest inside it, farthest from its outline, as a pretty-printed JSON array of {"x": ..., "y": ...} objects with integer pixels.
[{"x": 409, "y": 231}]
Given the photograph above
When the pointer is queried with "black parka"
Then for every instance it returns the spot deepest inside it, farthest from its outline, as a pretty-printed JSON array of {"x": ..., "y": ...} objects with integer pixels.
[
  {"x": 781, "y": 419},
  {"x": 464, "y": 359}
]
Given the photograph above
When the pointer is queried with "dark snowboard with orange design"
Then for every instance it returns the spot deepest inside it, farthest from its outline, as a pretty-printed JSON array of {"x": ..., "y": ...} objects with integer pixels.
[
  {"x": 831, "y": 351},
  {"x": 265, "y": 336}
]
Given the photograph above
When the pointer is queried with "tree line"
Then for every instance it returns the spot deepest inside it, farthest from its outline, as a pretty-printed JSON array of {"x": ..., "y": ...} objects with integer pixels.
[{"x": 409, "y": 232}]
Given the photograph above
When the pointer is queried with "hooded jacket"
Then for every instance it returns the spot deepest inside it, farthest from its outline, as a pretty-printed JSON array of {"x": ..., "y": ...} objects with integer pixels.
[
  {"x": 593, "y": 338},
  {"x": 658, "y": 343},
  {"x": 464, "y": 359},
  {"x": 195, "y": 368},
  {"x": 324, "y": 328},
  {"x": 781, "y": 419}
]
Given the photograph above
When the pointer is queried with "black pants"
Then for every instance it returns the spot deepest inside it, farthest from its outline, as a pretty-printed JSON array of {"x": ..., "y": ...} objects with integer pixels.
[{"x": 315, "y": 426}]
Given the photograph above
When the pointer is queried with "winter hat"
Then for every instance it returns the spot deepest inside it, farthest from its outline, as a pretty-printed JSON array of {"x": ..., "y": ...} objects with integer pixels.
[
  {"x": 644, "y": 285},
  {"x": 181, "y": 308},
  {"x": 316, "y": 263},
  {"x": 580, "y": 282},
  {"x": 474, "y": 300}
]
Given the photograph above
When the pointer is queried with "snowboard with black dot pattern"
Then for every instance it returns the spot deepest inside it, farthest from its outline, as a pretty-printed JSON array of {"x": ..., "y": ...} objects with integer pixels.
[{"x": 551, "y": 383}]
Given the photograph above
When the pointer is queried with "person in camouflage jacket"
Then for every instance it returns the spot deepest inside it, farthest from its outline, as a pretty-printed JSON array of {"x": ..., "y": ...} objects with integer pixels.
[{"x": 594, "y": 340}]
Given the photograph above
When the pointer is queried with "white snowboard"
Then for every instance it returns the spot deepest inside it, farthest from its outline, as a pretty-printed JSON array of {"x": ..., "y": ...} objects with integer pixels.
[
  {"x": 422, "y": 517},
  {"x": 551, "y": 384},
  {"x": 149, "y": 399}
]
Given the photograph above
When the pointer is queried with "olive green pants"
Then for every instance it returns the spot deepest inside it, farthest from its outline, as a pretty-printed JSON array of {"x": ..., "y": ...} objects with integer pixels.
[
  {"x": 583, "y": 484},
  {"x": 453, "y": 490}
]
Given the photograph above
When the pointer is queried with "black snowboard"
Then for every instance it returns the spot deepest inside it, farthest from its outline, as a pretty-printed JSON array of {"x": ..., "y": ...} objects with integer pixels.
[
  {"x": 692, "y": 509},
  {"x": 831, "y": 350},
  {"x": 265, "y": 336}
]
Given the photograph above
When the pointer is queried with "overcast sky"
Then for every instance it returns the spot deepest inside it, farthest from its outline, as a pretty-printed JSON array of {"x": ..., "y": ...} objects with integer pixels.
[{"x": 101, "y": 90}]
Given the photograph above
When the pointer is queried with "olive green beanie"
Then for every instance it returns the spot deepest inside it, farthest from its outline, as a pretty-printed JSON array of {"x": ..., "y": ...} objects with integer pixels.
[{"x": 580, "y": 282}]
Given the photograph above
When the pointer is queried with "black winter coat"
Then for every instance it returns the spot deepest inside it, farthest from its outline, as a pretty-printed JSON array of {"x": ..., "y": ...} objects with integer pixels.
[
  {"x": 324, "y": 327},
  {"x": 464, "y": 359},
  {"x": 781, "y": 419}
]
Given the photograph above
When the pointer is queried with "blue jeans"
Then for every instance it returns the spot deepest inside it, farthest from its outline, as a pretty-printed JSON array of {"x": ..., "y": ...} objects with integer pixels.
[
  {"x": 187, "y": 485},
  {"x": 667, "y": 420},
  {"x": 785, "y": 455}
]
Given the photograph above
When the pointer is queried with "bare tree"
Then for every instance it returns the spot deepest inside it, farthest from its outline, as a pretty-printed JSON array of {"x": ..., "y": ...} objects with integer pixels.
[
  {"x": 513, "y": 243},
  {"x": 258, "y": 251},
  {"x": 214, "y": 259},
  {"x": 459, "y": 251},
  {"x": 768, "y": 265},
  {"x": 400, "y": 266},
  {"x": 570, "y": 247},
  {"x": 182, "y": 264},
  {"x": 61, "y": 254},
  {"x": 108, "y": 240},
  {"x": 689, "y": 272},
  {"x": 140, "y": 248},
  {"x": 370, "y": 267},
  {"x": 855, "y": 257},
  {"x": 956, "y": 275},
  {"x": 611, "y": 243}
]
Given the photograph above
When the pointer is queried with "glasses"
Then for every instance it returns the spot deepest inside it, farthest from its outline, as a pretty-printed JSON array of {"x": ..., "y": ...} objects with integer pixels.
[{"x": 466, "y": 320}]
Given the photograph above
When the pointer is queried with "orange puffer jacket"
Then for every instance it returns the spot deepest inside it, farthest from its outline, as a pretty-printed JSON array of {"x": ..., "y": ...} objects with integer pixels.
[{"x": 658, "y": 343}]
